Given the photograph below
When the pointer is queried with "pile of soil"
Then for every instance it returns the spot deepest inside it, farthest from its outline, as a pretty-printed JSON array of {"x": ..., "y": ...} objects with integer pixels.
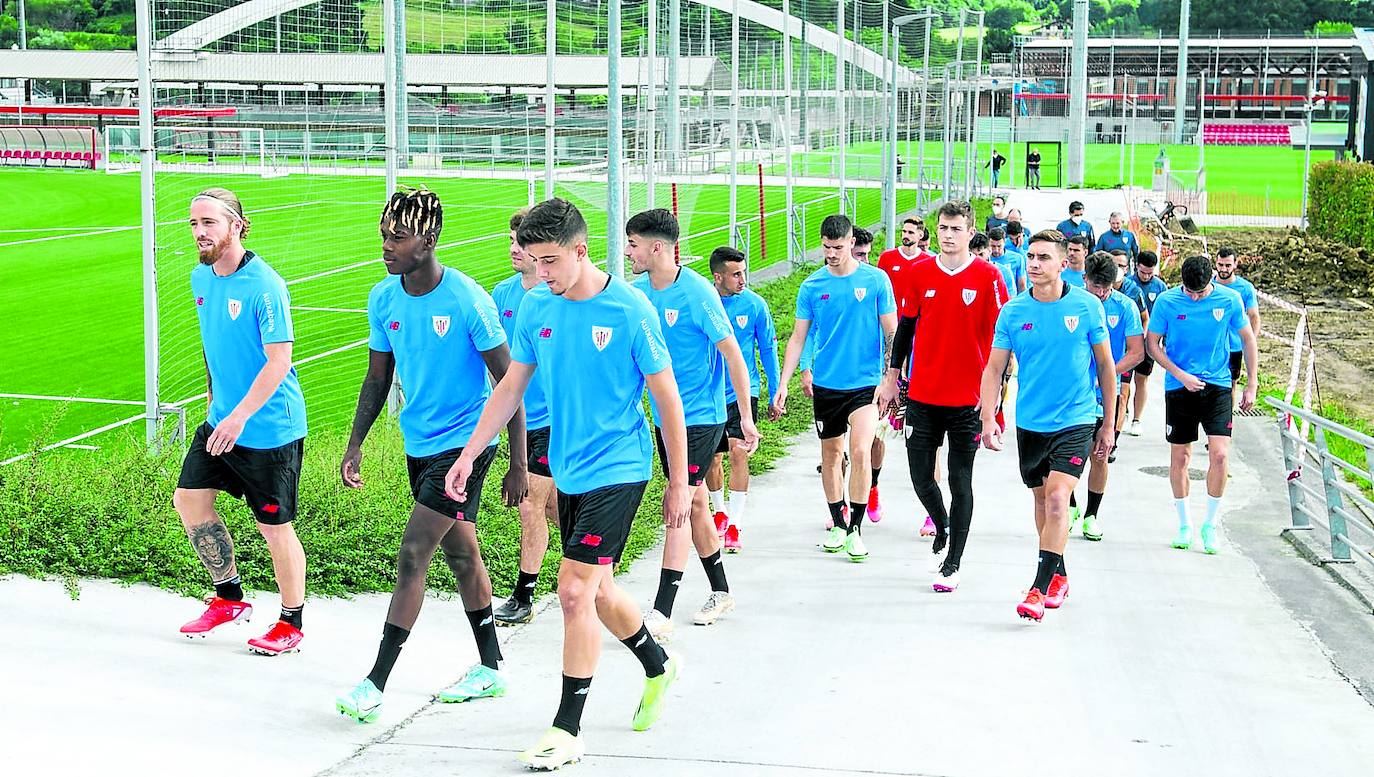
[{"x": 1299, "y": 266}]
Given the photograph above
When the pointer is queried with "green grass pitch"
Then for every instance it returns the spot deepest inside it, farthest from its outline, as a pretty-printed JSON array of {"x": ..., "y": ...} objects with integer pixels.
[{"x": 71, "y": 267}]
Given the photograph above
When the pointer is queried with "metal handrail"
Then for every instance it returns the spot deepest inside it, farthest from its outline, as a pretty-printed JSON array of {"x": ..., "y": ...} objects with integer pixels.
[{"x": 1338, "y": 502}]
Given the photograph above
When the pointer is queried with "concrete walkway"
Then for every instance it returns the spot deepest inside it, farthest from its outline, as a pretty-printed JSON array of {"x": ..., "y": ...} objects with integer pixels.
[{"x": 1161, "y": 662}]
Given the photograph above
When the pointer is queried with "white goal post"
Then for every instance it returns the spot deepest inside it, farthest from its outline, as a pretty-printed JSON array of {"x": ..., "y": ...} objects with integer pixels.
[{"x": 197, "y": 148}]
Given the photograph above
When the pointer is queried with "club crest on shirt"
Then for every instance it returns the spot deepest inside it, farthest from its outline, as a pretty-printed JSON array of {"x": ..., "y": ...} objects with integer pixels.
[
  {"x": 441, "y": 325},
  {"x": 1112, "y": 320},
  {"x": 1153, "y": 294},
  {"x": 742, "y": 321},
  {"x": 969, "y": 295},
  {"x": 1071, "y": 323},
  {"x": 601, "y": 336},
  {"x": 1217, "y": 313},
  {"x": 235, "y": 308},
  {"x": 670, "y": 316},
  {"x": 859, "y": 293}
]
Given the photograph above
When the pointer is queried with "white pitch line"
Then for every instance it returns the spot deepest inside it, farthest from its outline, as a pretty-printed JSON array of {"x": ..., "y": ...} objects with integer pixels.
[
  {"x": 301, "y": 363},
  {"x": 70, "y": 440},
  {"x": 94, "y": 401},
  {"x": 366, "y": 262},
  {"x": 109, "y": 230}
]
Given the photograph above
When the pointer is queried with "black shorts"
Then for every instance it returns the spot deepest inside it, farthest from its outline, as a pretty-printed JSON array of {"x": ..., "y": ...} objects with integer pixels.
[
  {"x": 702, "y": 442},
  {"x": 1126, "y": 376},
  {"x": 595, "y": 525},
  {"x": 1146, "y": 366},
  {"x": 537, "y": 452},
  {"x": 1065, "y": 451},
  {"x": 832, "y": 408},
  {"x": 732, "y": 423},
  {"x": 927, "y": 426},
  {"x": 427, "y": 474},
  {"x": 1185, "y": 410},
  {"x": 266, "y": 478},
  {"x": 1237, "y": 361}
]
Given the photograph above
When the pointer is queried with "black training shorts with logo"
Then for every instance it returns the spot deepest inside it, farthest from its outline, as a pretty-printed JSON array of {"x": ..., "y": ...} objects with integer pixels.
[
  {"x": 926, "y": 426},
  {"x": 733, "y": 430},
  {"x": 1185, "y": 411},
  {"x": 537, "y": 451},
  {"x": 832, "y": 408},
  {"x": 266, "y": 478},
  {"x": 1146, "y": 366},
  {"x": 595, "y": 525},
  {"x": 702, "y": 442},
  {"x": 427, "y": 476},
  {"x": 1065, "y": 451}
]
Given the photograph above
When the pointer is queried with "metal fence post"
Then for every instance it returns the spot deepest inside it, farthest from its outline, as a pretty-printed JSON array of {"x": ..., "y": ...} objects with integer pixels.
[
  {"x": 1340, "y": 551},
  {"x": 1293, "y": 467}
]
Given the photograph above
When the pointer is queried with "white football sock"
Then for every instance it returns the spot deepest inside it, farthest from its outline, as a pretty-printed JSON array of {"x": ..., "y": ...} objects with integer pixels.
[
  {"x": 718, "y": 501},
  {"x": 737, "y": 502},
  {"x": 1181, "y": 505},
  {"x": 1213, "y": 507}
]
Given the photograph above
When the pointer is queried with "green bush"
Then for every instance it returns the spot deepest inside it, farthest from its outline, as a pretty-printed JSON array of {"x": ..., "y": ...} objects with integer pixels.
[
  {"x": 108, "y": 513},
  {"x": 1340, "y": 202}
]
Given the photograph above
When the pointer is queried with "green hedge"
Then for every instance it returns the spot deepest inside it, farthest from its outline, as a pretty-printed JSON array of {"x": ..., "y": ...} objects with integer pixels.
[
  {"x": 108, "y": 513},
  {"x": 1340, "y": 202}
]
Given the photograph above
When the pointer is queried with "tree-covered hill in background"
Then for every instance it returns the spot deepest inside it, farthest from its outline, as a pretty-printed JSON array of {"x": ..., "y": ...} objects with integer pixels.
[{"x": 516, "y": 26}]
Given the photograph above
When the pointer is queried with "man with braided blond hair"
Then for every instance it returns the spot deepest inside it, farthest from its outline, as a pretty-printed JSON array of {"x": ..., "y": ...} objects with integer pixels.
[
  {"x": 251, "y": 442},
  {"x": 439, "y": 330}
]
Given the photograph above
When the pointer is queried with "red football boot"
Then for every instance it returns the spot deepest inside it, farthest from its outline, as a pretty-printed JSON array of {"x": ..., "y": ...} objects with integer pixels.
[
  {"x": 1033, "y": 608},
  {"x": 722, "y": 523},
  {"x": 219, "y": 612},
  {"x": 875, "y": 508},
  {"x": 732, "y": 543},
  {"x": 1059, "y": 588},
  {"x": 281, "y": 638}
]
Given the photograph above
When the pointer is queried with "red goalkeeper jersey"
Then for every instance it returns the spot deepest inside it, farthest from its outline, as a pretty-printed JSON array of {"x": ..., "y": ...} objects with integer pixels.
[
  {"x": 956, "y": 312},
  {"x": 897, "y": 266}
]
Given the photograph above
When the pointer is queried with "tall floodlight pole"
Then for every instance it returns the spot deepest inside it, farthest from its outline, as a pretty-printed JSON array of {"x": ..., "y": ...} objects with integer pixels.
[
  {"x": 925, "y": 96},
  {"x": 550, "y": 52},
  {"x": 890, "y": 214},
  {"x": 615, "y": 195},
  {"x": 840, "y": 103},
  {"x": 24, "y": 27},
  {"x": 1313, "y": 101},
  {"x": 888, "y": 148},
  {"x": 787, "y": 115},
  {"x": 674, "y": 139},
  {"x": 1181, "y": 78},
  {"x": 143, "y": 22},
  {"x": 734, "y": 120},
  {"x": 652, "y": 134},
  {"x": 1078, "y": 94},
  {"x": 970, "y": 153}
]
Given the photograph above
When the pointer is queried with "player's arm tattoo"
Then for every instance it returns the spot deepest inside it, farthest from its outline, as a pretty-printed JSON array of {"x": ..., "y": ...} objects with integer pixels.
[
  {"x": 372, "y": 395},
  {"x": 215, "y": 549},
  {"x": 887, "y": 346}
]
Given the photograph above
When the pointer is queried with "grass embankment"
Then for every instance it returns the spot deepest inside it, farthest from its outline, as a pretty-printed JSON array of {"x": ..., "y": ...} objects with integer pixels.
[{"x": 108, "y": 513}]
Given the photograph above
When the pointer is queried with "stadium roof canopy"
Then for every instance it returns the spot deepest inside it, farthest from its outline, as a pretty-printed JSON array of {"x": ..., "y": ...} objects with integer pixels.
[{"x": 463, "y": 71}]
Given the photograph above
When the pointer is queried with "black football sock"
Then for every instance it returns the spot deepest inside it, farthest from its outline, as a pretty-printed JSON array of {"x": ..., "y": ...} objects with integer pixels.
[
  {"x": 393, "y": 637},
  {"x": 230, "y": 590},
  {"x": 715, "y": 572},
  {"x": 668, "y": 581},
  {"x": 484, "y": 631},
  {"x": 574, "y": 698},
  {"x": 647, "y": 650}
]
